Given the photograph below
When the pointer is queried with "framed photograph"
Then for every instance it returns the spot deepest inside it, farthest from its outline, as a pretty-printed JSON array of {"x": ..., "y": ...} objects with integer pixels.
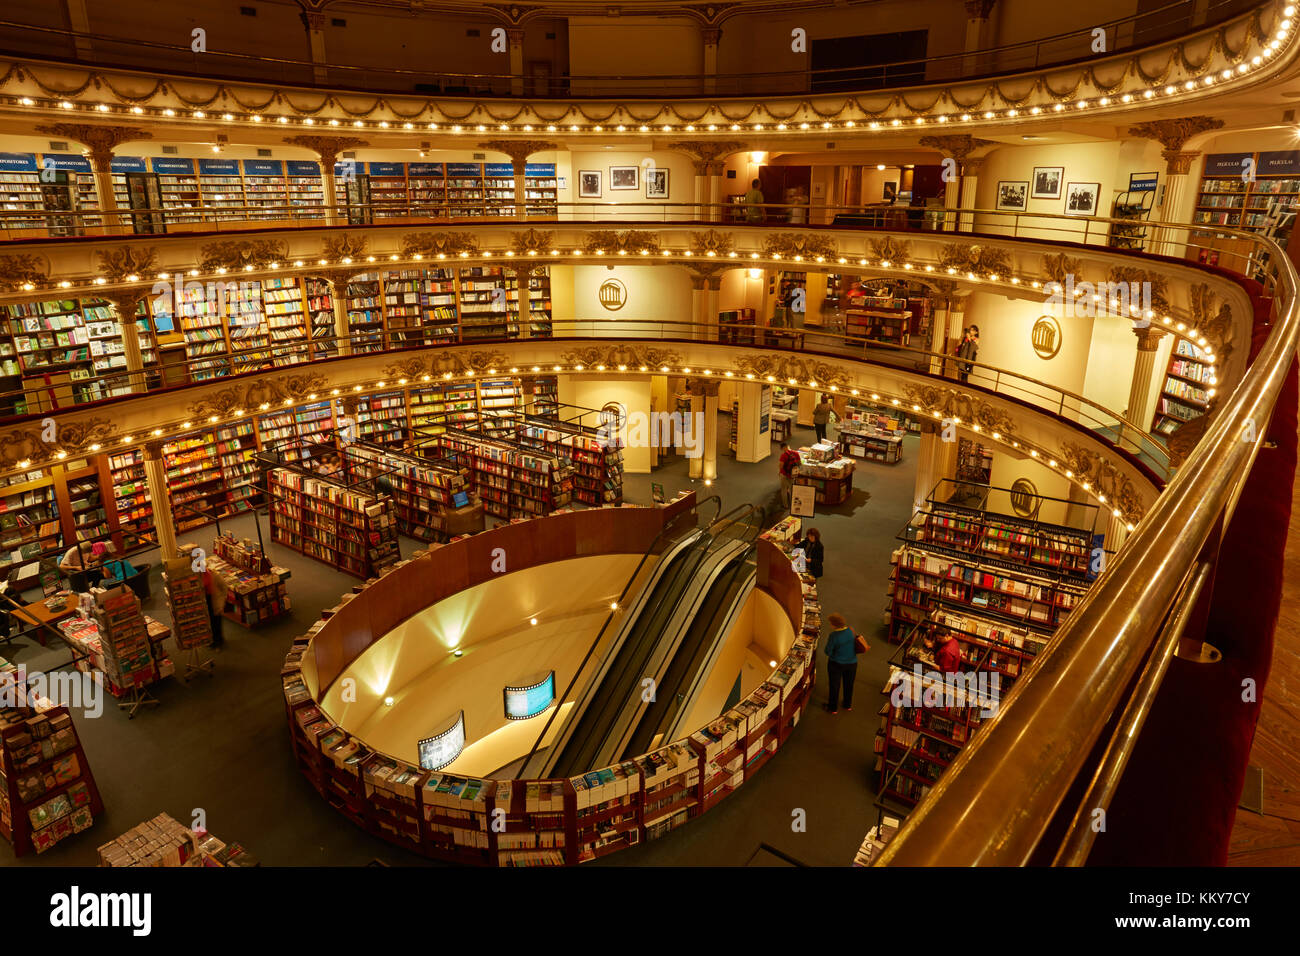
[
  {"x": 656, "y": 183},
  {"x": 624, "y": 177},
  {"x": 1047, "y": 182},
  {"x": 890, "y": 192},
  {"x": 1012, "y": 196},
  {"x": 589, "y": 184},
  {"x": 1081, "y": 199}
]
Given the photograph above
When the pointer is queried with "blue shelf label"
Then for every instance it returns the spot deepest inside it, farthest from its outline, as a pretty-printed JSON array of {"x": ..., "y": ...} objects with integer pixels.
[
  {"x": 78, "y": 164},
  {"x": 128, "y": 164},
  {"x": 500, "y": 169},
  {"x": 424, "y": 169},
  {"x": 172, "y": 166},
  {"x": 1143, "y": 182},
  {"x": 18, "y": 163},
  {"x": 263, "y": 167},
  {"x": 219, "y": 167},
  {"x": 303, "y": 167},
  {"x": 387, "y": 169},
  {"x": 1225, "y": 164},
  {"x": 464, "y": 169},
  {"x": 546, "y": 170}
]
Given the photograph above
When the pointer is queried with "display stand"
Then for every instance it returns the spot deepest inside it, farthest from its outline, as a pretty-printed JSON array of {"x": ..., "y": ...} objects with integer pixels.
[
  {"x": 255, "y": 589},
  {"x": 124, "y": 637},
  {"x": 829, "y": 476},
  {"x": 188, "y": 601}
]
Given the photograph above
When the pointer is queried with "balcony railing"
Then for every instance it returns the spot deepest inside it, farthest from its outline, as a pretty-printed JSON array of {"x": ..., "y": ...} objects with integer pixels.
[{"x": 1145, "y": 28}]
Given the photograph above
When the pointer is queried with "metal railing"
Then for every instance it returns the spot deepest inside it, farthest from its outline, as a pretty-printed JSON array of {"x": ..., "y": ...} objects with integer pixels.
[{"x": 1145, "y": 28}]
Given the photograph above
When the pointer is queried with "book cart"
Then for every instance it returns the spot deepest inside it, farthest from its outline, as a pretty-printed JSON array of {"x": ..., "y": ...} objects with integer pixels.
[
  {"x": 256, "y": 592},
  {"x": 47, "y": 791},
  {"x": 553, "y": 822}
]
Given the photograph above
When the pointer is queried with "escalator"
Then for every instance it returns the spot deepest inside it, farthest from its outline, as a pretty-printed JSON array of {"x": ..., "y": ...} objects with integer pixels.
[{"x": 678, "y": 618}]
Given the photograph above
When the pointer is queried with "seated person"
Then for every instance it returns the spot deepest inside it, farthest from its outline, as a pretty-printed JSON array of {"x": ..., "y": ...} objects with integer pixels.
[
  {"x": 75, "y": 563},
  {"x": 115, "y": 570}
]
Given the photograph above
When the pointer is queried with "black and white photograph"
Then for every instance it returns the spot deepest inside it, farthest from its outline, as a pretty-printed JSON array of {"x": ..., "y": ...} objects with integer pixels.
[
  {"x": 624, "y": 177},
  {"x": 656, "y": 183},
  {"x": 1081, "y": 199},
  {"x": 589, "y": 184},
  {"x": 1047, "y": 182},
  {"x": 1012, "y": 196}
]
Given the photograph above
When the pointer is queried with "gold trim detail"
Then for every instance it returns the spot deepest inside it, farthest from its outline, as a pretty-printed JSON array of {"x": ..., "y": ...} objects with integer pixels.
[
  {"x": 25, "y": 444},
  {"x": 430, "y": 244},
  {"x": 791, "y": 244},
  {"x": 951, "y": 403},
  {"x": 116, "y": 264},
  {"x": 267, "y": 391},
  {"x": 631, "y": 241},
  {"x": 1100, "y": 472},
  {"x": 235, "y": 254}
]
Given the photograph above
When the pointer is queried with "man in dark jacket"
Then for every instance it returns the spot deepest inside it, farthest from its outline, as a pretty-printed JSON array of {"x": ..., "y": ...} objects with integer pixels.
[{"x": 969, "y": 350}]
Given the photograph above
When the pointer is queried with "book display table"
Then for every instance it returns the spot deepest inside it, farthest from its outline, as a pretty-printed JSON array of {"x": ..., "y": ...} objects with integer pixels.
[
  {"x": 256, "y": 593},
  {"x": 83, "y": 636},
  {"x": 831, "y": 477},
  {"x": 866, "y": 439}
]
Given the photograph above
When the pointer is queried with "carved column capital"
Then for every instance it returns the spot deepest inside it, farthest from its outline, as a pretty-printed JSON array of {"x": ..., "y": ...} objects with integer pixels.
[
  {"x": 518, "y": 149},
  {"x": 1172, "y": 134},
  {"x": 1178, "y": 162},
  {"x": 708, "y": 157},
  {"x": 712, "y": 35},
  {"x": 100, "y": 141},
  {"x": 313, "y": 21},
  {"x": 326, "y": 147},
  {"x": 515, "y": 36},
  {"x": 1149, "y": 338},
  {"x": 125, "y": 302},
  {"x": 957, "y": 145},
  {"x": 153, "y": 450},
  {"x": 978, "y": 9}
]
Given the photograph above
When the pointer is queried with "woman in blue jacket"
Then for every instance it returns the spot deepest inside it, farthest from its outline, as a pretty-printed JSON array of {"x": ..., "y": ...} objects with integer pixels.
[{"x": 841, "y": 662}]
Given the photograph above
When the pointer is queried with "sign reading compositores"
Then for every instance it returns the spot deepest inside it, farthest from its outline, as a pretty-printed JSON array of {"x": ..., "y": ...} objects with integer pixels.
[{"x": 803, "y": 499}]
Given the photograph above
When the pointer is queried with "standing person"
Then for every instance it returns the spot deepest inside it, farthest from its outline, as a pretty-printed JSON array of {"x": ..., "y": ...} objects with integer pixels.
[
  {"x": 216, "y": 601},
  {"x": 786, "y": 465},
  {"x": 754, "y": 202},
  {"x": 813, "y": 551},
  {"x": 841, "y": 662},
  {"x": 969, "y": 350},
  {"x": 821, "y": 416}
]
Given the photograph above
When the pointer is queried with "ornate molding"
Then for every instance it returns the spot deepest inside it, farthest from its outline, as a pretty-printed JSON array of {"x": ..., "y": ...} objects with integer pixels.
[
  {"x": 978, "y": 9},
  {"x": 531, "y": 240},
  {"x": 1186, "y": 437},
  {"x": 234, "y": 254},
  {"x": 953, "y": 403},
  {"x": 1215, "y": 324},
  {"x": 100, "y": 141},
  {"x": 24, "y": 443},
  {"x": 17, "y": 272},
  {"x": 327, "y": 148},
  {"x": 707, "y": 156},
  {"x": 957, "y": 145},
  {"x": 1102, "y": 474},
  {"x": 338, "y": 248},
  {"x": 1179, "y": 163},
  {"x": 249, "y": 396},
  {"x": 438, "y": 364},
  {"x": 612, "y": 356},
  {"x": 784, "y": 367},
  {"x": 1144, "y": 279},
  {"x": 890, "y": 249},
  {"x": 432, "y": 244},
  {"x": 1173, "y": 133},
  {"x": 1149, "y": 337},
  {"x": 975, "y": 258},
  {"x": 791, "y": 244},
  {"x": 631, "y": 241},
  {"x": 718, "y": 243},
  {"x": 518, "y": 149},
  {"x": 1057, "y": 268},
  {"x": 118, "y": 263}
]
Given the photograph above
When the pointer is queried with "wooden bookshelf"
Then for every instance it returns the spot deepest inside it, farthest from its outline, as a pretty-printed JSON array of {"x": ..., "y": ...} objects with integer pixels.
[
  {"x": 353, "y": 531},
  {"x": 47, "y": 790},
  {"x": 1185, "y": 392},
  {"x": 256, "y": 592},
  {"x": 513, "y": 480},
  {"x": 488, "y": 303},
  {"x": 366, "y": 314},
  {"x": 422, "y": 490},
  {"x": 597, "y": 469}
]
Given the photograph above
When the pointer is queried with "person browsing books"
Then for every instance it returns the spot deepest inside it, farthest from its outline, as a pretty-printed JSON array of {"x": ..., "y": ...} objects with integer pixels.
[
  {"x": 842, "y": 649},
  {"x": 821, "y": 416},
  {"x": 114, "y": 569},
  {"x": 947, "y": 652},
  {"x": 786, "y": 466},
  {"x": 813, "y": 551}
]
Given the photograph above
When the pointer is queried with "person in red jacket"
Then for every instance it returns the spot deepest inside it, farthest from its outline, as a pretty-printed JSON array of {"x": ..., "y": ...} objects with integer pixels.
[
  {"x": 947, "y": 653},
  {"x": 786, "y": 465}
]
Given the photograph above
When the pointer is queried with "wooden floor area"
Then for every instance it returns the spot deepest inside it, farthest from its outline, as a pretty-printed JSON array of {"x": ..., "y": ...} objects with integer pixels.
[{"x": 1273, "y": 838}]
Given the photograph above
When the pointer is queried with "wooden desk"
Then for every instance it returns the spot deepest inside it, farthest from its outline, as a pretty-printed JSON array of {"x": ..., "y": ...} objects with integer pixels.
[
  {"x": 37, "y": 614},
  {"x": 783, "y": 338}
]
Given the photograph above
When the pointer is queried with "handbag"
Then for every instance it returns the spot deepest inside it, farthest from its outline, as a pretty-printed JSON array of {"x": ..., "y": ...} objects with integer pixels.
[{"x": 859, "y": 643}]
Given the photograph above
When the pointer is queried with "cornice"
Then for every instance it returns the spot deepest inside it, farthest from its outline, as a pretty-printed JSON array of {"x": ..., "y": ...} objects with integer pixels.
[{"x": 1181, "y": 73}]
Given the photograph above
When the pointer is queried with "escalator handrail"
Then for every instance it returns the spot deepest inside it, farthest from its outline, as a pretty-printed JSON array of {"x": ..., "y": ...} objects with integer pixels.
[{"x": 586, "y": 659}]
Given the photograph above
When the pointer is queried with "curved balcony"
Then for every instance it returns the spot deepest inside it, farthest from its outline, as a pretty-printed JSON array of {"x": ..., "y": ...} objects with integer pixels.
[
  {"x": 1021, "y": 85},
  {"x": 1073, "y": 721}
]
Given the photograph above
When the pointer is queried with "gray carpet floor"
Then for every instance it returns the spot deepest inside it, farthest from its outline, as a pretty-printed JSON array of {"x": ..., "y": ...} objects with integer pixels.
[{"x": 220, "y": 745}]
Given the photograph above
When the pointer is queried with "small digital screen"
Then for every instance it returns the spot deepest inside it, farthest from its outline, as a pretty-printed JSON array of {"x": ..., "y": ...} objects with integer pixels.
[
  {"x": 441, "y": 749},
  {"x": 163, "y": 322},
  {"x": 525, "y": 702},
  {"x": 460, "y": 498}
]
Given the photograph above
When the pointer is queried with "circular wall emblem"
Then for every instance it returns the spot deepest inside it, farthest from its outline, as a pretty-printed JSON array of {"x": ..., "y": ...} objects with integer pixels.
[
  {"x": 1045, "y": 336},
  {"x": 612, "y": 294},
  {"x": 1024, "y": 497}
]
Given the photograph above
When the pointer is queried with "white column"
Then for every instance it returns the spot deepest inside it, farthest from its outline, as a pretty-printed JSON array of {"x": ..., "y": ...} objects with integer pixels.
[
  {"x": 970, "y": 173},
  {"x": 1139, "y": 393},
  {"x": 164, "y": 522},
  {"x": 516, "y": 39},
  {"x": 699, "y": 303},
  {"x": 695, "y": 466},
  {"x": 338, "y": 285},
  {"x": 977, "y": 33},
  {"x": 1166, "y": 241},
  {"x": 711, "y": 36},
  {"x": 709, "y": 469}
]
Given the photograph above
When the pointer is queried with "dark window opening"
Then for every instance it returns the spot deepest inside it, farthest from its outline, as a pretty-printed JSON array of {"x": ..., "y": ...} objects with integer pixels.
[{"x": 849, "y": 63}]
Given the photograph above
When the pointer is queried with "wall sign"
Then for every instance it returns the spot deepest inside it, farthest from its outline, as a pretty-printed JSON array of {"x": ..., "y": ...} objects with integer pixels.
[
  {"x": 803, "y": 499},
  {"x": 1143, "y": 182},
  {"x": 442, "y": 748},
  {"x": 1024, "y": 498},
  {"x": 1045, "y": 337},
  {"x": 612, "y": 294}
]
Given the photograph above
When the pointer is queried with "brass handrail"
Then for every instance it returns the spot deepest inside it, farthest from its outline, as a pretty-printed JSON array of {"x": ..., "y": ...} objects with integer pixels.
[{"x": 998, "y": 797}]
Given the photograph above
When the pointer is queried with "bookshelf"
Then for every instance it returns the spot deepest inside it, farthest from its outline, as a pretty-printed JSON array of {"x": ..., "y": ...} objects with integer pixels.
[
  {"x": 974, "y": 462},
  {"x": 236, "y": 449},
  {"x": 539, "y": 303},
  {"x": 884, "y": 319},
  {"x": 305, "y": 188},
  {"x": 47, "y": 790},
  {"x": 194, "y": 480},
  {"x": 201, "y": 325},
  {"x": 51, "y": 351},
  {"x": 541, "y": 189},
  {"x": 132, "y": 503},
  {"x": 265, "y": 187},
  {"x": 179, "y": 184},
  {"x": 513, "y": 480},
  {"x": 319, "y": 305},
  {"x": 365, "y": 314},
  {"x": 488, "y": 295},
  {"x": 597, "y": 469},
  {"x": 286, "y": 319},
  {"x": 546, "y": 396},
  {"x": 256, "y": 592},
  {"x": 388, "y": 194},
  {"x": 20, "y": 190},
  {"x": 221, "y": 189},
  {"x": 30, "y": 527},
  {"x": 426, "y": 185},
  {"x": 422, "y": 490},
  {"x": 465, "y": 190},
  {"x": 382, "y": 419},
  {"x": 1185, "y": 393},
  {"x": 351, "y": 530},
  {"x": 420, "y": 307},
  {"x": 500, "y": 401},
  {"x": 737, "y": 327}
]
